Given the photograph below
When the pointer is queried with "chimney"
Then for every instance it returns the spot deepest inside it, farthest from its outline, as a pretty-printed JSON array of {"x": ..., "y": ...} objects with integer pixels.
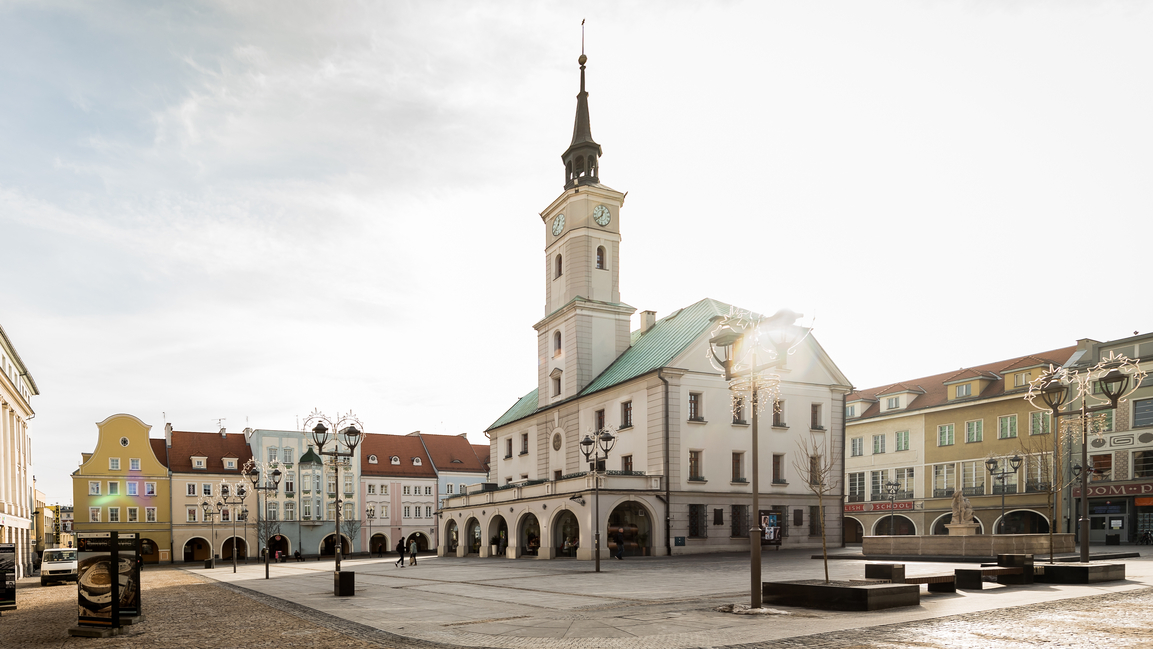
[
  {"x": 648, "y": 319},
  {"x": 224, "y": 433},
  {"x": 168, "y": 435}
]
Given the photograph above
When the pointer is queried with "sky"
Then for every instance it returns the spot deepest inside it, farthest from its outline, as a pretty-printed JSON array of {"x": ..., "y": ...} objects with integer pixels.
[{"x": 247, "y": 211}]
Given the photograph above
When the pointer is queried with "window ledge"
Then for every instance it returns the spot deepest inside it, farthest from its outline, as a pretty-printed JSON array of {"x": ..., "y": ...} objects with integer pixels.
[
  {"x": 697, "y": 479},
  {"x": 508, "y": 457},
  {"x": 741, "y": 482},
  {"x": 629, "y": 427},
  {"x": 698, "y": 421},
  {"x": 740, "y": 422},
  {"x": 524, "y": 453},
  {"x": 817, "y": 429},
  {"x": 781, "y": 483},
  {"x": 780, "y": 427}
]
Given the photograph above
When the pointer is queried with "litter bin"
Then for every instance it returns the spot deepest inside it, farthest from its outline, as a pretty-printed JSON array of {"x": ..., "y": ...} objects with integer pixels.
[
  {"x": 1112, "y": 539},
  {"x": 345, "y": 584}
]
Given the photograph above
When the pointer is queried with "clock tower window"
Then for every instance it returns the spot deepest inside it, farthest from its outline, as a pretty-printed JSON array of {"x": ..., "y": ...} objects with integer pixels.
[
  {"x": 559, "y": 267},
  {"x": 557, "y": 348},
  {"x": 601, "y": 258}
]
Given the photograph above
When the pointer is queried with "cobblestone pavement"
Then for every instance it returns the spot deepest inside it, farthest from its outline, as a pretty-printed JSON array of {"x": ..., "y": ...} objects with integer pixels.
[{"x": 184, "y": 609}]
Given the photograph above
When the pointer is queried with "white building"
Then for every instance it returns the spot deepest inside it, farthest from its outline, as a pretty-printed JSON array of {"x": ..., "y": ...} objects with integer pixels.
[
  {"x": 678, "y": 476},
  {"x": 16, "y": 498}
]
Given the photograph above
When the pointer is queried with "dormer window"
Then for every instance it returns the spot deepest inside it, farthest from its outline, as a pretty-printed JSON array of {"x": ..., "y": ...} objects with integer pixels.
[
  {"x": 964, "y": 390},
  {"x": 893, "y": 402},
  {"x": 416, "y": 461},
  {"x": 455, "y": 461},
  {"x": 851, "y": 411},
  {"x": 372, "y": 459},
  {"x": 230, "y": 464},
  {"x": 199, "y": 462},
  {"x": 395, "y": 459}
]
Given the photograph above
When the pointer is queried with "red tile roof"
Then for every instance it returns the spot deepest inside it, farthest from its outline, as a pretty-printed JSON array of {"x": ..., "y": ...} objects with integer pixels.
[
  {"x": 452, "y": 453},
  {"x": 405, "y": 447},
  {"x": 483, "y": 451},
  {"x": 936, "y": 392},
  {"x": 186, "y": 445},
  {"x": 159, "y": 449}
]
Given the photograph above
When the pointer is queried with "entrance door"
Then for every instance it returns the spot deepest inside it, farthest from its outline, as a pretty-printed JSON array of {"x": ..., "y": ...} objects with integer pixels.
[{"x": 1107, "y": 517}]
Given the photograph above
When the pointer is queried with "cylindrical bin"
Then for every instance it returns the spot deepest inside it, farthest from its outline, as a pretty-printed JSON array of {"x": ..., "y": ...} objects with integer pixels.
[{"x": 344, "y": 583}]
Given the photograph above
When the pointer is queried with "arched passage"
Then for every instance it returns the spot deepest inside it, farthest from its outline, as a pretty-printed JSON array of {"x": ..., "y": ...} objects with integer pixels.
[
  {"x": 854, "y": 532},
  {"x": 278, "y": 543},
  {"x": 196, "y": 549},
  {"x": 378, "y": 544},
  {"x": 241, "y": 548},
  {"x": 472, "y": 535},
  {"x": 636, "y": 523},
  {"x": 940, "y": 529},
  {"x": 528, "y": 535},
  {"x": 1022, "y": 521},
  {"x": 328, "y": 546},
  {"x": 900, "y": 526},
  {"x": 566, "y": 534},
  {"x": 498, "y": 534},
  {"x": 422, "y": 544},
  {"x": 149, "y": 551},
  {"x": 451, "y": 537}
]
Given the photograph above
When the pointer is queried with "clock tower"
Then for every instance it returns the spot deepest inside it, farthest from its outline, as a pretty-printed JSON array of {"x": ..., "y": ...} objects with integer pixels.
[{"x": 586, "y": 326}]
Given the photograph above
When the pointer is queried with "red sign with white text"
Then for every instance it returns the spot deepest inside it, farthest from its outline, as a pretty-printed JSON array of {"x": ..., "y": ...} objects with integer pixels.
[
  {"x": 1099, "y": 491},
  {"x": 879, "y": 506}
]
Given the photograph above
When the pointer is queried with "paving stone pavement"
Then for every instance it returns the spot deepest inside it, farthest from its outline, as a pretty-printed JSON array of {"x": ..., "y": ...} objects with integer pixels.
[{"x": 644, "y": 604}]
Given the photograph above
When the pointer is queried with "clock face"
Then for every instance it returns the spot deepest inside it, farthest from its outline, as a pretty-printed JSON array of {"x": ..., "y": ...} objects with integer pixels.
[
  {"x": 601, "y": 215},
  {"x": 558, "y": 225}
]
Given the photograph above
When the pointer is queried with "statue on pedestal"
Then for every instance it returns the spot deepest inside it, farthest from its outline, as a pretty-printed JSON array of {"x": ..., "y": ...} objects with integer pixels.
[{"x": 962, "y": 508}]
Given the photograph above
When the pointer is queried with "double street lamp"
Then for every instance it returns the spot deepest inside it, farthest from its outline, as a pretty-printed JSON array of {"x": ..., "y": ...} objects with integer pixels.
[
  {"x": 892, "y": 487},
  {"x": 1014, "y": 464},
  {"x": 597, "y": 452},
  {"x": 1115, "y": 377},
  {"x": 274, "y": 487},
  {"x": 370, "y": 513},
  {"x": 210, "y": 512},
  {"x": 233, "y": 496},
  {"x": 347, "y": 436}
]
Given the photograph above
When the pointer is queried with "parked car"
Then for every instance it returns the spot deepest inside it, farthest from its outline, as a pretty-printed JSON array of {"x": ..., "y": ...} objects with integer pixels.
[{"x": 58, "y": 565}]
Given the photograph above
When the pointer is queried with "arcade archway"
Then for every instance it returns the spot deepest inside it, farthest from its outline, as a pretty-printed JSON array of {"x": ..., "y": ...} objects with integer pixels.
[
  {"x": 378, "y": 545},
  {"x": 241, "y": 548},
  {"x": 328, "y": 546},
  {"x": 636, "y": 523},
  {"x": 451, "y": 537},
  {"x": 472, "y": 535},
  {"x": 422, "y": 542},
  {"x": 149, "y": 551},
  {"x": 498, "y": 534},
  {"x": 900, "y": 526},
  {"x": 566, "y": 534},
  {"x": 940, "y": 529},
  {"x": 1022, "y": 521},
  {"x": 854, "y": 533},
  {"x": 528, "y": 535},
  {"x": 196, "y": 549}
]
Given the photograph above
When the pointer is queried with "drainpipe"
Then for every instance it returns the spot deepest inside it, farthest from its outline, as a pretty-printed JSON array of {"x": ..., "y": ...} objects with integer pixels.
[
  {"x": 668, "y": 486},
  {"x": 844, "y": 435}
]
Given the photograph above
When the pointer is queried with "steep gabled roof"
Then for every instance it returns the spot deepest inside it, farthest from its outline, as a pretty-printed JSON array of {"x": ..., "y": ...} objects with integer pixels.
[
  {"x": 214, "y": 446},
  {"x": 901, "y": 388},
  {"x": 159, "y": 449},
  {"x": 969, "y": 373},
  {"x": 452, "y": 453}
]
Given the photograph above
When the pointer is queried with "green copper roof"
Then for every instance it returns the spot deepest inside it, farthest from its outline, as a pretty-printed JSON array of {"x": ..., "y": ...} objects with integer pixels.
[
  {"x": 648, "y": 352},
  {"x": 310, "y": 457}
]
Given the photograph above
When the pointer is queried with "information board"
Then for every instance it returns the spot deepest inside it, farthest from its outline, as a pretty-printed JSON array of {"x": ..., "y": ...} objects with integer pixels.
[
  {"x": 770, "y": 527},
  {"x": 108, "y": 577},
  {"x": 7, "y": 576}
]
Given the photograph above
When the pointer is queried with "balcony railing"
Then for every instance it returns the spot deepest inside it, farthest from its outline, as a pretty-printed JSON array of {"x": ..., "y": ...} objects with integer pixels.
[
  {"x": 974, "y": 491},
  {"x": 1034, "y": 486},
  {"x": 856, "y": 498},
  {"x": 943, "y": 493},
  {"x": 999, "y": 489}
]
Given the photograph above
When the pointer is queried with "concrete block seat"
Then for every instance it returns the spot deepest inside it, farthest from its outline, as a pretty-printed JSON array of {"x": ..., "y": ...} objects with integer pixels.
[
  {"x": 1010, "y": 570},
  {"x": 895, "y": 572}
]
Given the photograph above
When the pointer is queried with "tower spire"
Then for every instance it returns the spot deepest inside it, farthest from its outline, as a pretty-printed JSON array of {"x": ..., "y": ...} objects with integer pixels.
[{"x": 581, "y": 158}]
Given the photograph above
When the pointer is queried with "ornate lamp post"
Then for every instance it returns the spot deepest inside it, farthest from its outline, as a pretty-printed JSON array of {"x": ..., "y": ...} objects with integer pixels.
[
  {"x": 740, "y": 339},
  {"x": 1014, "y": 464},
  {"x": 210, "y": 512},
  {"x": 892, "y": 487},
  {"x": 597, "y": 452},
  {"x": 254, "y": 478},
  {"x": 1117, "y": 376},
  {"x": 347, "y": 436},
  {"x": 370, "y": 513},
  {"x": 234, "y": 496}
]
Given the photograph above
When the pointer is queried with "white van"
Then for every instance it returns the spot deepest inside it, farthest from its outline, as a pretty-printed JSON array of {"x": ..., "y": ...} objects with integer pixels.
[{"x": 58, "y": 565}]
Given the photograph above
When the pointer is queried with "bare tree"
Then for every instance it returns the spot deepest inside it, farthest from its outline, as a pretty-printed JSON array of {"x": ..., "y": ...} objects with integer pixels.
[
  {"x": 823, "y": 469},
  {"x": 350, "y": 527},
  {"x": 266, "y": 529},
  {"x": 1047, "y": 468}
]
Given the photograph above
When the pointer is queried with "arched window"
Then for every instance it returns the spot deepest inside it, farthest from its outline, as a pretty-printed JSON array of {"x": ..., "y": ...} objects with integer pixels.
[
  {"x": 580, "y": 166},
  {"x": 557, "y": 347},
  {"x": 568, "y": 170},
  {"x": 395, "y": 459},
  {"x": 559, "y": 267},
  {"x": 416, "y": 461},
  {"x": 600, "y": 258},
  {"x": 372, "y": 459}
]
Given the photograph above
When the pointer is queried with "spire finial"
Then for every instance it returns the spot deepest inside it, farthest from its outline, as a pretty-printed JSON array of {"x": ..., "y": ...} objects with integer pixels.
[{"x": 581, "y": 164}]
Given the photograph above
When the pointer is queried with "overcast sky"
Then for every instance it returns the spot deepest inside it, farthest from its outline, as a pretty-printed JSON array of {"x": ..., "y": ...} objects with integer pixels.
[{"x": 250, "y": 210}]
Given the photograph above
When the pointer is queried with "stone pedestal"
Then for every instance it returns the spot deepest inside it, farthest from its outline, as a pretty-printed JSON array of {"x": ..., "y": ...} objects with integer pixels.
[{"x": 962, "y": 529}]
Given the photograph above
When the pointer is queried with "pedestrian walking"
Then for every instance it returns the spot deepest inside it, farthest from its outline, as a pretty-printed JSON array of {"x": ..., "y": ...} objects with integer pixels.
[
  {"x": 400, "y": 551},
  {"x": 412, "y": 552},
  {"x": 619, "y": 538}
]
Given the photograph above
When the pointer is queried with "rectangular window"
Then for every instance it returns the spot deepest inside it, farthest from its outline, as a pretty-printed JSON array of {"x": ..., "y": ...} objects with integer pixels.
[
  {"x": 739, "y": 410},
  {"x": 149, "y": 488},
  {"x": 190, "y": 514},
  {"x": 964, "y": 390},
  {"x": 858, "y": 446},
  {"x": 428, "y": 511},
  {"x": 149, "y": 514},
  {"x": 851, "y": 411},
  {"x": 878, "y": 480},
  {"x": 814, "y": 520},
  {"x": 331, "y": 483},
  {"x": 857, "y": 487},
  {"x": 331, "y": 511},
  {"x": 779, "y": 468},
  {"x": 815, "y": 477},
  {"x": 878, "y": 444},
  {"x": 779, "y": 414},
  {"x": 407, "y": 511},
  {"x": 1037, "y": 471},
  {"x": 556, "y": 386},
  {"x": 290, "y": 511},
  {"x": 133, "y": 488},
  {"x": 1102, "y": 467},
  {"x": 93, "y": 514},
  {"x": 316, "y": 482},
  {"x": 627, "y": 414},
  {"x": 289, "y": 482},
  {"x": 695, "y": 411},
  {"x": 113, "y": 514},
  {"x": 974, "y": 431},
  {"x": 892, "y": 403},
  {"x": 738, "y": 521},
  {"x": 348, "y": 514},
  {"x": 973, "y": 478},
  {"x": 226, "y": 515},
  {"x": 94, "y": 488},
  {"x": 348, "y": 484},
  {"x": 945, "y": 435},
  {"x": 133, "y": 515},
  {"x": 428, "y": 491},
  {"x": 113, "y": 488},
  {"x": 698, "y": 523},
  {"x": 306, "y": 509},
  {"x": 1020, "y": 379},
  {"x": 407, "y": 489},
  {"x": 206, "y": 489},
  {"x": 1105, "y": 424},
  {"x": 190, "y": 489},
  {"x": 904, "y": 477},
  {"x": 599, "y": 419},
  {"x": 944, "y": 480},
  {"x": 524, "y": 442},
  {"x": 134, "y": 464},
  {"x": 448, "y": 488},
  {"x": 1039, "y": 423},
  {"x": 508, "y": 448},
  {"x": 1142, "y": 413},
  {"x": 113, "y": 465},
  {"x": 738, "y": 467},
  {"x": 902, "y": 440},
  {"x": 1006, "y": 483},
  {"x": 1007, "y": 427},
  {"x": 695, "y": 468},
  {"x": 273, "y": 453},
  {"x": 372, "y": 489},
  {"x": 627, "y": 463},
  {"x": 815, "y": 416},
  {"x": 272, "y": 511}
]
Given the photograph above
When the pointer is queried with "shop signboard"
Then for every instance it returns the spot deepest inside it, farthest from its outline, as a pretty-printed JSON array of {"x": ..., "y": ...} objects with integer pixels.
[
  {"x": 7, "y": 576},
  {"x": 770, "y": 527},
  {"x": 108, "y": 577},
  {"x": 1098, "y": 491}
]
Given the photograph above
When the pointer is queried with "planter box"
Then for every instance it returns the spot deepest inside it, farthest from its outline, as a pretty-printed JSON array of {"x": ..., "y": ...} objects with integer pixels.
[
  {"x": 1081, "y": 573},
  {"x": 840, "y": 595}
]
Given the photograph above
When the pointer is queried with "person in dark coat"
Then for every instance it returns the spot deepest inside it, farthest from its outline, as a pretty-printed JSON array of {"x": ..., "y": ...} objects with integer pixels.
[
  {"x": 619, "y": 538},
  {"x": 400, "y": 551}
]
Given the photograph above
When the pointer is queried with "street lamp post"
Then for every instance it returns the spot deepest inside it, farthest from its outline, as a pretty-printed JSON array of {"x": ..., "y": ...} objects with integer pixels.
[
  {"x": 370, "y": 513},
  {"x": 1002, "y": 475},
  {"x": 234, "y": 496},
  {"x": 254, "y": 478},
  {"x": 210, "y": 512},
  {"x": 349, "y": 436},
  {"x": 739, "y": 338},
  {"x": 892, "y": 487},
  {"x": 1116, "y": 376},
  {"x": 592, "y": 451}
]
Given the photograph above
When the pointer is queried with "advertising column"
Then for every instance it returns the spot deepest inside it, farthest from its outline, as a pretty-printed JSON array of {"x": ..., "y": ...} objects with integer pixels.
[
  {"x": 7, "y": 576},
  {"x": 108, "y": 578}
]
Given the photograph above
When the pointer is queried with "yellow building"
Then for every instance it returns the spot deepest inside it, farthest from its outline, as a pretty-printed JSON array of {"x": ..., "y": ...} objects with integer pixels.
[
  {"x": 933, "y": 435},
  {"x": 124, "y": 486}
]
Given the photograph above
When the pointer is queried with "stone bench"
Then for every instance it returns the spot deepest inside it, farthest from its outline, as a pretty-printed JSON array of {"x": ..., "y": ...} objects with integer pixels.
[{"x": 895, "y": 573}]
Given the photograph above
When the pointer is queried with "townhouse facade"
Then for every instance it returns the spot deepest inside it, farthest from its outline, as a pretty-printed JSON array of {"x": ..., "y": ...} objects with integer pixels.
[
  {"x": 207, "y": 467},
  {"x": 17, "y": 387},
  {"x": 399, "y": 488}
]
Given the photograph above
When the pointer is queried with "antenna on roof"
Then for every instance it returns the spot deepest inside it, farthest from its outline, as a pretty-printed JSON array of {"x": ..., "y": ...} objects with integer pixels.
[{"x": 220, "y": 422}]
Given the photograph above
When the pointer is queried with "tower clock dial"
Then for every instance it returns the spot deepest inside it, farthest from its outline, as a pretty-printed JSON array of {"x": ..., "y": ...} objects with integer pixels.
[
  {"x": 558, "y": 225},
  {"x": 601, "y": 215}
]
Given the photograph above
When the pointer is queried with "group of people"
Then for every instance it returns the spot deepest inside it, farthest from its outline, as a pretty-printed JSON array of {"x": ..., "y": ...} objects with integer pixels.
[{"x": 400, "y": 551}]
